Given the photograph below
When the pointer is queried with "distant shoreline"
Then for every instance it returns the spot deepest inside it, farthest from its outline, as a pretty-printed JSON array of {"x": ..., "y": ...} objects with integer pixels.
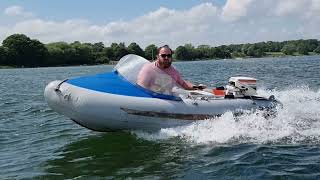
[
  {"x": 268, "y": 55},
  {"x": 18, "y": 50}
]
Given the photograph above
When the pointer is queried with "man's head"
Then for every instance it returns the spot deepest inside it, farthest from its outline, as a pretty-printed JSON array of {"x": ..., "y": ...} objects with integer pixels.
[{"x": 164, "y": 56}]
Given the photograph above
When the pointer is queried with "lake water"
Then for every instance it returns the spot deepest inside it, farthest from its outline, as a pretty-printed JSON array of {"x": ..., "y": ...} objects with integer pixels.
[{"x": 36, "y": 142}]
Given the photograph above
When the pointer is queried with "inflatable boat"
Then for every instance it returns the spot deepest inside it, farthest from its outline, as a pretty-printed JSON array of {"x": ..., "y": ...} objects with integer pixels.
[{"x": 114, "y": 100}]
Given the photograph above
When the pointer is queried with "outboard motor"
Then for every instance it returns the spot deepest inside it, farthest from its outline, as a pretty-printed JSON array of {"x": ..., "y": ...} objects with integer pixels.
[{"x": 242, "y": 86}]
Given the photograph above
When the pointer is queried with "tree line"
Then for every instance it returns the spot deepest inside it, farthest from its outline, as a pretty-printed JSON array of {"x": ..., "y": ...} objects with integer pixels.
[{"x": 18, "y": 50}]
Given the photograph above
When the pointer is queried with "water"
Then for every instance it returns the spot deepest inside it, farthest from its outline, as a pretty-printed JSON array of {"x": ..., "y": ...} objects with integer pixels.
[{"x": 36, "y": 142}]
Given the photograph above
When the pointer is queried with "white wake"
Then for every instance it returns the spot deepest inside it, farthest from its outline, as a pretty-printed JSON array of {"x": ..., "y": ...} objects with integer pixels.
[{"x": 297, "y": 122}]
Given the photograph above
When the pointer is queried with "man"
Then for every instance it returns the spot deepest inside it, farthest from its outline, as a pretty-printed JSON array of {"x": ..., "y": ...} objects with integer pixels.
[{"x": 160, "y": 76}]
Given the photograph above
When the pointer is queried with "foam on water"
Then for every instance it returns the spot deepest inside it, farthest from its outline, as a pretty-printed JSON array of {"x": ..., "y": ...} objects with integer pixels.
[{"x": 297, "y": 122}]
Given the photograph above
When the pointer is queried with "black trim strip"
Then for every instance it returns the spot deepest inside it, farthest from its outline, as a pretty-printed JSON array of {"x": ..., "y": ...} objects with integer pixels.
[{"x": 179, "y": 116}]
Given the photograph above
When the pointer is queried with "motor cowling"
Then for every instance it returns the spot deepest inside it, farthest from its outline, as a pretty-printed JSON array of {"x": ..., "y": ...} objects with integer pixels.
[{"x": 242, "y": 86}]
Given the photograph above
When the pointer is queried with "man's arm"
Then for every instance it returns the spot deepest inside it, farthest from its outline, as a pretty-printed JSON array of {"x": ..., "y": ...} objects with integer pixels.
[
  {"x": 143, "y": 79},
  {"x": 188, "y": 85}
]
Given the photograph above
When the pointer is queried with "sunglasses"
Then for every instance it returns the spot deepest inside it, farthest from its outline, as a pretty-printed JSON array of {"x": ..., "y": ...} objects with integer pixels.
[{"x": 166, "y": 55}]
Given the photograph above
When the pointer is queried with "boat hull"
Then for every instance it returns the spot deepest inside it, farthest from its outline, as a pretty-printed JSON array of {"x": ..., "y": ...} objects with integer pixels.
[{"x": 102, "y": 111}]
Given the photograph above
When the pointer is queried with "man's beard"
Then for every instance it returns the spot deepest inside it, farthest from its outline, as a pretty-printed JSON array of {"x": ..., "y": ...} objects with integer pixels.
[{"x": 166, "y": 64}]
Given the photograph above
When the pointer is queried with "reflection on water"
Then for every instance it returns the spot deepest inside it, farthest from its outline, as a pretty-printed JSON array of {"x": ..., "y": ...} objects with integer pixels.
[
  {"x": 122, "y": 155},
  {"x": 116, "y": 154}
]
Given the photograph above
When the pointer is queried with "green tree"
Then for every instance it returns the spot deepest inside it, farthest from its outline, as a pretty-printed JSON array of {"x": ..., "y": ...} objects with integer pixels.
[
  {"x": 151, "y": 51},
  {"x": 317, "y": 50},
  {"x": 270, "y": 47},
  {"x": 226, "y": 51},
  {"x": 98, "y": 47},
  {"x": 191, "y": 52},
  {"x": 181, "y": 53},
  {"x": 255, "y": 51},
  {"x": 108, "y": 53},
  {"x": 76, "y": 43},
  {"x": 83, "y": 54},
  {"x": 97, "y": 52},
  {"x": 212, "y": 53},
  {"x": 3, "y": 55},
  {"x": 56, "y": 56},
  {"x": 70, "y": 56},
  {"x": 25, "y": 51},
  {"x": 238, "y": 55},
  {"x": 245, "y": 48},
  {"x": 302, "y": 49},
  {"x": 311, "y": 44},
  {"x": 119, "y": 50},
  {"x": 288, "y": 49},
  {"x": 76, "y": 53},
  {"x": 235, "y": 48},
  {"x": 102, "y": 60},
  {"x": 61, "y": 45},
  {"x": 61, "y": 53},
  {"x": 203, "y": 51},
  {"x": 222, "y": 52},
  {"x": 134, "y": 48}
]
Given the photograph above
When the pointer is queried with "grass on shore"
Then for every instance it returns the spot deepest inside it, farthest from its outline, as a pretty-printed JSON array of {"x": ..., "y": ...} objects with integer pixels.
[
  {"x": 6, "y": 67},
  {"x": 275, "y": 54},
  {"x": 280, "y": 54}
]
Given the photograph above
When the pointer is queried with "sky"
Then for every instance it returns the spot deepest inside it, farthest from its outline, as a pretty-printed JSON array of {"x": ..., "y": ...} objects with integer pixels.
[{"x": 172, "y": 22}]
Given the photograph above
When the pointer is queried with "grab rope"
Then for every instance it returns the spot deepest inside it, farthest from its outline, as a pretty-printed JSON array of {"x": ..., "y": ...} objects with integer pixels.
[{"x": 57, "y": 89}]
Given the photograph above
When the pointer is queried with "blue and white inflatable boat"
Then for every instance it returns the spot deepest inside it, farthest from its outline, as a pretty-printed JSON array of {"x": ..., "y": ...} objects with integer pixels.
[{"x": 113, "y": 101}]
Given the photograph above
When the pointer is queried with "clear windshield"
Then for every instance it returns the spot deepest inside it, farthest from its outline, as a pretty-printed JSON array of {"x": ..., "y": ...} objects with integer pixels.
[{"x": 129, "y": 67}]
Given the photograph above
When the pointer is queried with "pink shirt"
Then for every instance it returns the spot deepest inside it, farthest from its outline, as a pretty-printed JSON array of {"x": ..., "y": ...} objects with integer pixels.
[{"x": 148, "y": 75}]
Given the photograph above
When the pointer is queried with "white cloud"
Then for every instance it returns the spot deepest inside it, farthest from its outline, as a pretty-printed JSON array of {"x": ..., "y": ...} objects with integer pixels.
[
  {"x": 298, "y": 8},
  {"x": 235, "y": 9},
  {"x": 314, "y": 11},
  {"x": 239, "y": 21},
  {"x": 17, "y": 11}
]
